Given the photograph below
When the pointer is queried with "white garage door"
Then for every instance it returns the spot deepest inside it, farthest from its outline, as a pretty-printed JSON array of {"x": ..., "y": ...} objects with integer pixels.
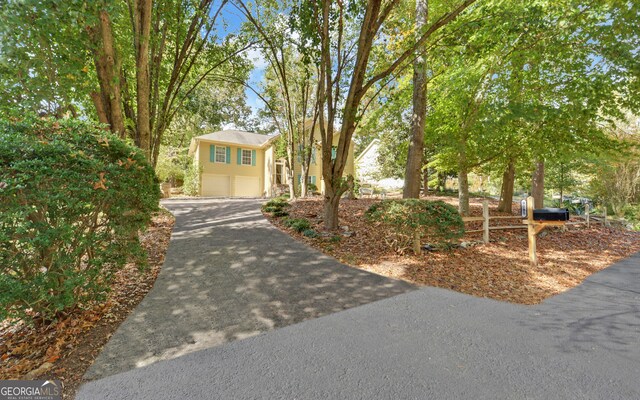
[
  {"x": 215, "y": 185},
  {"x": 248, "y": 186}
]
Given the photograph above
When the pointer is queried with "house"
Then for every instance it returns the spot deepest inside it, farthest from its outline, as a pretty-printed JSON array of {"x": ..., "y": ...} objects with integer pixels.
[
  {"x": 243, "y": 164},
  {"x": 368, "y": 168},
  {"x": 234, "y": 163}
]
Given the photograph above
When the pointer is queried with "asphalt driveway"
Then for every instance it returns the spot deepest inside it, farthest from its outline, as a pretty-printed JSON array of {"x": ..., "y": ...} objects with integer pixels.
[
  {"x": 228, "y": 275},
  {"x": 425, "y": 344}
]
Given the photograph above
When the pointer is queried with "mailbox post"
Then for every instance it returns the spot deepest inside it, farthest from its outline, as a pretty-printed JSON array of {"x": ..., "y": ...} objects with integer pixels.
[{"x": 533, "y": 228}]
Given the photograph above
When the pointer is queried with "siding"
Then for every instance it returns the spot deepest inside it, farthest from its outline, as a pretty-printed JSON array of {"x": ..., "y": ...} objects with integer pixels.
[{"x": 232, "y": 169}]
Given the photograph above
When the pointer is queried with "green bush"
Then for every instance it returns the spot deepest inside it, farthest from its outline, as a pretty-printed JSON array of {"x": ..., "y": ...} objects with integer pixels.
[
  {"x": 191, "y": 185},
  {"x": 73, "y": 200},
  {"x": 280, "y": 213},
  {"x": 310, "y": 233},
  {"x": 632, "y": 215},
  {"x": 411, "y": 219},
  {"x": 298, "y": 224}
]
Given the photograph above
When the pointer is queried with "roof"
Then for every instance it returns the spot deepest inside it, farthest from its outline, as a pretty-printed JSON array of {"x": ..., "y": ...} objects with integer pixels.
[
  {"x": 367, "y": 149},
  {"x": 232, "y": 136},
  {"x": 237, "y": 137}
]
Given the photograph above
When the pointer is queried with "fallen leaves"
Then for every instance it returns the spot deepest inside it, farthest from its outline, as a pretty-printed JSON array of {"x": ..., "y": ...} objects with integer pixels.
[
  {"x": 65, "y": 349},
  {"x": 499, "y": 269}
]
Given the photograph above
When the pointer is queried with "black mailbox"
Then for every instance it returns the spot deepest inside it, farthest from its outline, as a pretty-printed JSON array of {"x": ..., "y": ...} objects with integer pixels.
[{"x": 551, "y": 214}]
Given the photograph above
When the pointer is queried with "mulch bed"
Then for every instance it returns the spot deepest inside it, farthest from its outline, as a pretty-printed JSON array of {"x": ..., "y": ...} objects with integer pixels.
[
  {"x": 65, "y": 350},
  {"x": 499, "y": 270}
]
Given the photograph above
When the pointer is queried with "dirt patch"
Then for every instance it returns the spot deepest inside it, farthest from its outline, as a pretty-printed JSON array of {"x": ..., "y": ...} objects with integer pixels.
[
  {"x": 66, "y": 349},
  {"x": 499, "y": 270}
]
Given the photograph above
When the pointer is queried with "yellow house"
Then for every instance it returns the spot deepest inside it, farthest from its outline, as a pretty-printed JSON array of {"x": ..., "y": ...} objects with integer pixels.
[
  {"x": 234, "y": 163},
  {"x": 242, "y": 164}
]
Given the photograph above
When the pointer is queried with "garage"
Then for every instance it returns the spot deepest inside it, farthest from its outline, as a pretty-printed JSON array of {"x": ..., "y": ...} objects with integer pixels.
[
  {"x": 216, "y": 185},
  {"x": 248, "y": 186}
]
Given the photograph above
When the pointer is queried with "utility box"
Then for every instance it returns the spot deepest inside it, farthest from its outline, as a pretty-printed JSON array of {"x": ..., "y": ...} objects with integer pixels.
[{"x": 551, "y": 214}]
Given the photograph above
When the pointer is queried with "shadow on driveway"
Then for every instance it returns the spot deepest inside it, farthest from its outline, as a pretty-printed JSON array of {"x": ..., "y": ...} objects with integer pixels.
[{"x": 229, "y": 274}]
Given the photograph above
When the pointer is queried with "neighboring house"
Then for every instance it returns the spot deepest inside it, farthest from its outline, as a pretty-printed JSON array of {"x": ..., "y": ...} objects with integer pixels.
[
  {"x": 234, "y": 163},
  {"x": 368, "y": 168},
  {"x": 243, "y": 164}
]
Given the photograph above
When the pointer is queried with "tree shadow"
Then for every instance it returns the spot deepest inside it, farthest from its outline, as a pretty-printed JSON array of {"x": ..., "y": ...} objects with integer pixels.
[{"x": 229, "y": 274}]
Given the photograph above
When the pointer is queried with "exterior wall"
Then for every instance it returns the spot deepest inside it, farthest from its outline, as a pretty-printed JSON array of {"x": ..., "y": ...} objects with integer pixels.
[
  {"x": 367, "y": 167},
  {"x": 232, "y": 169}
]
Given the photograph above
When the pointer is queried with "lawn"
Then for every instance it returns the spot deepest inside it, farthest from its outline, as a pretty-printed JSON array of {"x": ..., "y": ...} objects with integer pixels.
[{"x": 499, "y": 270}]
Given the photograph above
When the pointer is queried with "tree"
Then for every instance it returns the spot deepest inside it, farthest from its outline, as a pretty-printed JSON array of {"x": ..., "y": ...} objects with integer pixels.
[{"x": 347, "y": 74}]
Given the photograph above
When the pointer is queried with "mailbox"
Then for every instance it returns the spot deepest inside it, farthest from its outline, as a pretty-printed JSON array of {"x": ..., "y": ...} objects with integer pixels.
[{"x": 551, "y": 214}]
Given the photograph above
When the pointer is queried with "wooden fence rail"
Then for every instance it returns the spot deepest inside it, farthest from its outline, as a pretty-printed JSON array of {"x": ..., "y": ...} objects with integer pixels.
[{"x": 588, "y": 218}]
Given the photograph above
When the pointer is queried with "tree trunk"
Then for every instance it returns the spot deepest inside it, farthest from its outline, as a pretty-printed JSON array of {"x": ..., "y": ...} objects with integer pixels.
[
  {"x": 425, "y": 181},
  {"x": 331, "y": 207},
  {"x": 463, "y": 191},
  {"x": 537, "y": 184},
  {"x": 142, "y": 31},
  {"x": 107, "y": 67},
  {"x": 508, "y": 183},
  {"x": 303, "y": 178},
  {"x": 416, "y": 146}
]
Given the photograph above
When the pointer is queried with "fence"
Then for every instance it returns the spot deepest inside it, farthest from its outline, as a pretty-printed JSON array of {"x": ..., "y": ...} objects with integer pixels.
[{"x": 486, "y": 218}]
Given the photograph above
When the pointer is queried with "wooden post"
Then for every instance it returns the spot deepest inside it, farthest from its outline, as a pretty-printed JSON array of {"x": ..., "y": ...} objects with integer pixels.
[
  {"x": 531, "y": 229},
  {"x": 606, "y": 222},
  {"x": 586, "y": 214},
  {"x": 485, "y": 221}
]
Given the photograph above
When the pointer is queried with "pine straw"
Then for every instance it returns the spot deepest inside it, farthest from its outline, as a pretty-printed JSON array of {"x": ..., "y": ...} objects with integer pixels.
[
  {"x": 499, "y": 270},
  {"x": 65, "y": 350}
]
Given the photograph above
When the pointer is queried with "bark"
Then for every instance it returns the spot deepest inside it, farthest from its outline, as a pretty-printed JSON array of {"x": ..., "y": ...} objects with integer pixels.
[
  {"x": 508, "y": 182},
  {"x": 425, "y": 181},
  {"x": 463, "y": 191},
  {"x": 142, "y": 15},
  {"x": 100, "y": 107},
  {"x": 303, "y": 178},
  {"x": 537, "y": 184},
  {"x": 413, "y": 170},
  {"x": 107, "y": 67}
]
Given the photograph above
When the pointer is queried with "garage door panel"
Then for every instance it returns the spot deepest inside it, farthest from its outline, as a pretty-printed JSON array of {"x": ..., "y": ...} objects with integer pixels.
[
  {"x": 216, "y": 185},
  {"x": 248, "y": 186}
]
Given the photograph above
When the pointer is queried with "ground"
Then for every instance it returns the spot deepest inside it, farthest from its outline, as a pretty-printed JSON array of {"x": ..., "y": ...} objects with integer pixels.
[
  {"x": 65, "y": 349},
  {"x": 499, "y": 270}
]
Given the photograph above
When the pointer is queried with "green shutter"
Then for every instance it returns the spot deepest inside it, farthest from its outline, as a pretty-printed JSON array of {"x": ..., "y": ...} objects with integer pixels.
[
  {"x": 212, "y": 153},
  {"x": 313, "y": 179},
  {"x": 228, "y": 155},
  {"x": 334, "y": 152},
  {"x": 253, "y": 158},
  {"x": 299, "y": 179},
  {"x": 239, "y": 160}
]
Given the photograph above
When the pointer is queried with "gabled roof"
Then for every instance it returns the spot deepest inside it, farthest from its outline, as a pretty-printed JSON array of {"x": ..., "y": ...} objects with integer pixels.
[
  {"x": 237, "y": 137},
  {"x": 367, "y": 149},
  {"x": 232, "y": 136}
]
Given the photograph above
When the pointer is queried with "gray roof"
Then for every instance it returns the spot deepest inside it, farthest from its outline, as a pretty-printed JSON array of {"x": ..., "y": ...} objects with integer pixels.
[{"x": 237, "y": 137}]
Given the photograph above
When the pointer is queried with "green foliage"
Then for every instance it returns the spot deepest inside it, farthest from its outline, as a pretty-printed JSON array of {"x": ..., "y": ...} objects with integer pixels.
[
  {"x": 280, "y": 213},
  {"x": 171, "y": 165},
  {"x": 73, "y": 201},
  {"x": 310, "y": 233},
  {"x": 276, "y": 207},
  {"x": 298, "y": 224},
  {"x": 191, "y": 185},
  {"x": 631, "y": 213},
  {"x": 437, "y": 220}
]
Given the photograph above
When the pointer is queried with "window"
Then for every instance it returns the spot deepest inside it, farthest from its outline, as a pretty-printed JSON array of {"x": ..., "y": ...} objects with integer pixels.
[
  {"x": 246, "y": 157},
  {"x": 221, "y": 154},
  {"x": 334, "y": 152}
]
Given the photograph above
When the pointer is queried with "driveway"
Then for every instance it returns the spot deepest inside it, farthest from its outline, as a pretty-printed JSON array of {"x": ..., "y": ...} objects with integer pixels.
[
  {"x": 228, "y": 275},
  {"x": 427, "y": 343}
]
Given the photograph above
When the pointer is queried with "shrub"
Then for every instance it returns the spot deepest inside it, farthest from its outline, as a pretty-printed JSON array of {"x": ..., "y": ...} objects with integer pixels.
[
  {"x": 632, "y": 215},
  {"x": 310, "y": 233},
  {"x": 191, "y": 186},
  {"x": 73, "y": 200},
  {"x": 412, "y": 219},
  {"x": 280, "y": 213},
  {"x": 298, "y": 224}
]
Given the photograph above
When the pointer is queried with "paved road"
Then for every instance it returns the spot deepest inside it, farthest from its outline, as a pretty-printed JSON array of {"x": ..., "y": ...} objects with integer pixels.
[
  {"x": 228, "y": 275},
  {"x": 429, "y": 343}
]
